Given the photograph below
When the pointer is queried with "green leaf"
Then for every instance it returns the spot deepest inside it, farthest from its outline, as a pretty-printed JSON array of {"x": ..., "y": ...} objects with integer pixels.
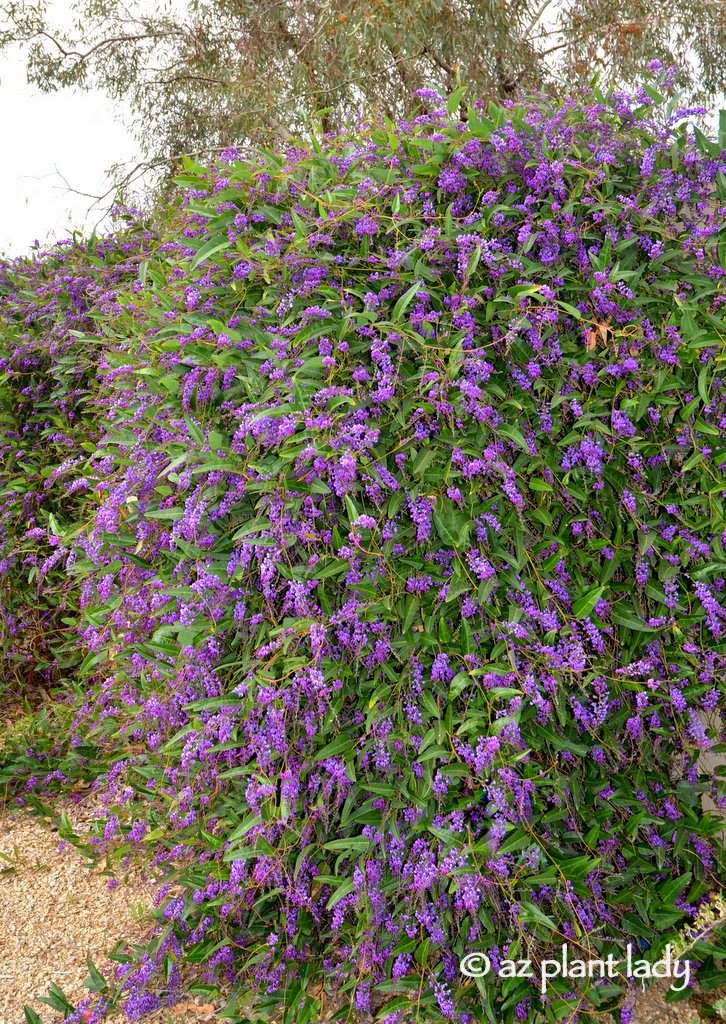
[
  {"x": 560, "y": 743},
  {"x": 669, "y": 890},
  {"x": 355, "y": 844},
  {"x": 568, "y": 308},
  {"x": 513, "y": 434},
  {"x": 96, "y": 981},
  {"x": 458, "y": 684},
  {"x": 452, "y": 527},
  {"x": 209, "y": 249},
  {"x": 531, "y": 912},
  {"x": 703, "y": 384},
  {"x": 340, "y": 893},
  {"x": 341, "y": 745},
  {"x": 405, "y": 301},
  {"x": 57, "y": 999},
  {"x": 473, "y": 262},
  {"x": 692, "y": 461},
  {"x": 195, "y": 432},
  {"x": 624, "y": 614},
  {"x": 454, "y": 101},
  {"x": 585, "y": 604},
  {"x": 577, "y": 867},
  {"x": 351, "y": 509}
]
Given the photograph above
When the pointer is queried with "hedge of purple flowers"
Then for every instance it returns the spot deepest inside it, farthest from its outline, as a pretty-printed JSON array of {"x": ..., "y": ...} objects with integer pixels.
[
  {"x": 49, "y": 311},
  {"x": 376, "y": 500}
]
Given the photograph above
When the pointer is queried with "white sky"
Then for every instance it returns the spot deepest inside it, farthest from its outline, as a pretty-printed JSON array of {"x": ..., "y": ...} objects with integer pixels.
[{"x": 74, "y": 135}]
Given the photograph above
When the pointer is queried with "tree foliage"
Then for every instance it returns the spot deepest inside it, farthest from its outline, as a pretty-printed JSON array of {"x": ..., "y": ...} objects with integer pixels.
[{"x": 200, "y": 75}]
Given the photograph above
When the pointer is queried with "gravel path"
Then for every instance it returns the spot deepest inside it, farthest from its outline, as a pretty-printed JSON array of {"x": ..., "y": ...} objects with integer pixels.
[
  {"x": 650, "y": 1008},
  {"x": 55, "y": 912}
]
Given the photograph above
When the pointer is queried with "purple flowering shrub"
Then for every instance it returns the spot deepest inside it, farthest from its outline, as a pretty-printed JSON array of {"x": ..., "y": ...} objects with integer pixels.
[
  {"x": 402, "y": 596},
  {"x": 51, "y": 310}
]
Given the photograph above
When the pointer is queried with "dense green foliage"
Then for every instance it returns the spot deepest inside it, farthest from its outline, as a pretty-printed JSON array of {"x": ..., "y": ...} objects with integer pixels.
[{"x": 389, "y": 529}]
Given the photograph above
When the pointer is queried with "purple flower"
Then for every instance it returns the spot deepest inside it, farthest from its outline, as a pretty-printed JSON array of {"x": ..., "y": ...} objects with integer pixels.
[
  {"x": 366, "y": 226},
  {"x": 621, "y": 424}
]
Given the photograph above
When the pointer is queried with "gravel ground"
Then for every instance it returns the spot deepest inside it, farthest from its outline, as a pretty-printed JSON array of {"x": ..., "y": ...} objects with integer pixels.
[
  {"x": 650, "y": 1008},
  {"x": 56, "y": 911}
]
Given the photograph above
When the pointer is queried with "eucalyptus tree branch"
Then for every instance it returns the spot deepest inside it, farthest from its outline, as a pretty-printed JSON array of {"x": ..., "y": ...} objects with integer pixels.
[
  {"x": 102, "y": 44},
  {"x": 537, "y": 15}
]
